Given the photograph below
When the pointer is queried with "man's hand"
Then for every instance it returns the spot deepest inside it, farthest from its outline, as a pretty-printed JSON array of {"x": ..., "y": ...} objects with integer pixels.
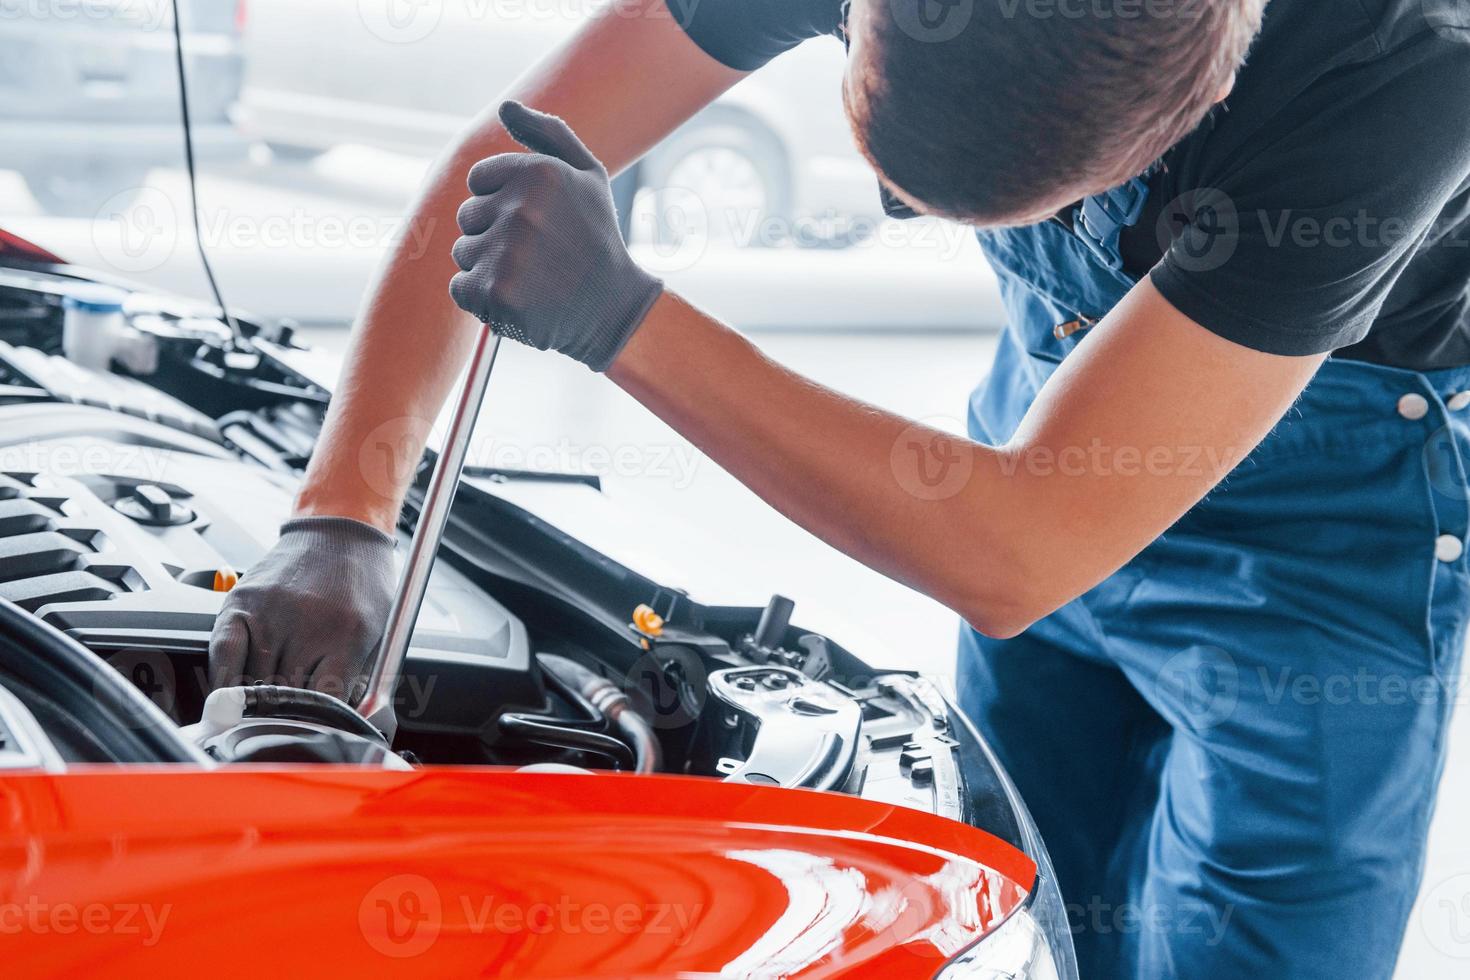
[
  {"x": 541, "y": 258},
  {"x": 310, "y": 613}
]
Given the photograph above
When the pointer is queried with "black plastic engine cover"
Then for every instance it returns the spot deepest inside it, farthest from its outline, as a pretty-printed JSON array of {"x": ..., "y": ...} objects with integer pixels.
[{"x": 141, "y": 591}]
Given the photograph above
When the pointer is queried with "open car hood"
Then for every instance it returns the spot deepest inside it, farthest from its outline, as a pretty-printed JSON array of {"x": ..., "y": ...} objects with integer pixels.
[{"x": 477, "y": 872}]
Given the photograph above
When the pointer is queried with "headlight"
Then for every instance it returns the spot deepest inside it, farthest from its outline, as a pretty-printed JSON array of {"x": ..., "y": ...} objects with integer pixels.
[
  {"x": 1035, "y": 942},
  {"x": 1025, "y": 947}
]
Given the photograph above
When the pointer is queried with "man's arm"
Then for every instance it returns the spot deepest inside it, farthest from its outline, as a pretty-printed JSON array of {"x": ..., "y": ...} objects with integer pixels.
[
  {"x": 1133, "y": 429},
  {"x": 628, "y": 78},
  {"x": 311, "y": 611}
]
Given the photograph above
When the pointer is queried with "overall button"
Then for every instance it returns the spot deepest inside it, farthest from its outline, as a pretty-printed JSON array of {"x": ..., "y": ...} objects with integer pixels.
[
  {"x": 1413, "y": 406},
  {"x": 1458, "y": 401},
  {"x": 1447, "y": 547}
]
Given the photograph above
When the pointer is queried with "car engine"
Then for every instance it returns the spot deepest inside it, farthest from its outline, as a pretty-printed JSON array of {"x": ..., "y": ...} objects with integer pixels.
[{"x": 131, "y": 501}]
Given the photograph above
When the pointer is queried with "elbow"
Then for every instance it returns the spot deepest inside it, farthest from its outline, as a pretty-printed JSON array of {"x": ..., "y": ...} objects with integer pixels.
[
  {"x": 1001, "y": 613},
  {"x": 997, "y": 624}
]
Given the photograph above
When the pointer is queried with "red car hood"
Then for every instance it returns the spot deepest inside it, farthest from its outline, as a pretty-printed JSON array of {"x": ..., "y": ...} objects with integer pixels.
[
  {"x": 13, "y": 246},
  {"x": 480, "y": 872}
]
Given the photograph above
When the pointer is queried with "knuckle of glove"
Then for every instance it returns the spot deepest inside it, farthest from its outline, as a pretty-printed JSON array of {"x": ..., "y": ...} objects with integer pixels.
[
  {"x": 465, "y": 290},
  {"x": 465, "y": 250},
  {"x": 472, "y": 215}
]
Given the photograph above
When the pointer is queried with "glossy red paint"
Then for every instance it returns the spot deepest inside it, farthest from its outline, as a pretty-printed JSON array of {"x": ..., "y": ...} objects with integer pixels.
[
  {"x": 15, "y": 247},
  {"x": 328, "y": 871}
]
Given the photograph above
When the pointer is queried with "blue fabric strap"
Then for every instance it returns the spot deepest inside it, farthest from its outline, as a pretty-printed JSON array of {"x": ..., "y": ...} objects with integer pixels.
[{"x": 1101, "y": 219}]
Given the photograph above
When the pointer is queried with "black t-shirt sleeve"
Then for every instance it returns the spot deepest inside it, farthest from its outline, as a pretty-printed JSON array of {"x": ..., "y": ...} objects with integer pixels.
[
  {"x": 1294, "y": 249},
  {"x": 745, "y": 34}
]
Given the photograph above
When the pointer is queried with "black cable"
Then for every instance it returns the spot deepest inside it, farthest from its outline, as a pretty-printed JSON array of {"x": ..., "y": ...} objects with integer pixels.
[
  {"x": 189, "y": 167},
  {"x": 531, "y": 729}
]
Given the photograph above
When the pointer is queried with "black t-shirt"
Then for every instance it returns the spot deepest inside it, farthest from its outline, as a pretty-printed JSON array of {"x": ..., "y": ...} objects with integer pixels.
[{"x": 1325, "y": 206}]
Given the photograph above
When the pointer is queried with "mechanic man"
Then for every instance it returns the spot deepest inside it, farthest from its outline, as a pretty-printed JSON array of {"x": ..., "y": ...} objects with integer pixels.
[{"x": 1228, "y": 715}]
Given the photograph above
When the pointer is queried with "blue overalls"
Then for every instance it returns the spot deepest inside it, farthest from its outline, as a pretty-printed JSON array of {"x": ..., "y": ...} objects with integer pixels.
[{"x": 1232, "y": 745}]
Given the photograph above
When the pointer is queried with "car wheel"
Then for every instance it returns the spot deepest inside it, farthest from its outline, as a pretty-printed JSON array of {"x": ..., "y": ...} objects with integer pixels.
[
  {"x": 79, "y": 189},
  {"x": 728, "y": 180}
]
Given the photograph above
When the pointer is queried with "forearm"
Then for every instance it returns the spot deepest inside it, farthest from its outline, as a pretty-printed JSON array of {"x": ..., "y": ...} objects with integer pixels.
[
  {"x": 846, "y": 471},
  {"x": 410, "y": 340},
  {"x": 1128, "y": 434}
]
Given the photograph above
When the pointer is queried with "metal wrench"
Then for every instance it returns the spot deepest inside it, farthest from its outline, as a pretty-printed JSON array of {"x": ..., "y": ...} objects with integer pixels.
[{"x": 377, "y": 703}]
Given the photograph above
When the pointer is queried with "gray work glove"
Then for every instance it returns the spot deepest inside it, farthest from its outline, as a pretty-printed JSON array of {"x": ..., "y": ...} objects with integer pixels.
[
  {"x": 310, "y": 613},
  {"x": 542, "y": 258}
]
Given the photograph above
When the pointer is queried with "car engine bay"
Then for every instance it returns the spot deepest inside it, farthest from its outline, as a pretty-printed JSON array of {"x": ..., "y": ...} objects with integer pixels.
[{"x": 129, "y": 504}]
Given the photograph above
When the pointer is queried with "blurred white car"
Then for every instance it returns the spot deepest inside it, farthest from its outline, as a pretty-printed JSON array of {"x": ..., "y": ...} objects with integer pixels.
[
  {"x": 89, "y": 101},
  {"x": 774, "y": 155}
]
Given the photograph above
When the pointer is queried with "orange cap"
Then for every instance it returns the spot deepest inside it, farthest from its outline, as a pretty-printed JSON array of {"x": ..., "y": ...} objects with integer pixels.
[{"x": 645, "y": 620}]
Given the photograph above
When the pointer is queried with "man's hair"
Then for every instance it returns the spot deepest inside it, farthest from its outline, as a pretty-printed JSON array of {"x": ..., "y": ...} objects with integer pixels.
[{"x": 987, "y": 119}]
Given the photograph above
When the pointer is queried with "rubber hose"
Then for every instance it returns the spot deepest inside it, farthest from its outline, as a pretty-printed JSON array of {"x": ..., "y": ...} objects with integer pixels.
[{"x": 605, "y": 696}]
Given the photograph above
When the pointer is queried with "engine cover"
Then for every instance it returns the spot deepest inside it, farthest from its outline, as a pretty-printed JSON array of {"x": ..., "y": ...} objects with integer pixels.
[{"x": 117, "y": 526}]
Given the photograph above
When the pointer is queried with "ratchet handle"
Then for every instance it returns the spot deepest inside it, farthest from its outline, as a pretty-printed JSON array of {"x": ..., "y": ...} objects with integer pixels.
[{"x": 377, "y": 703}]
